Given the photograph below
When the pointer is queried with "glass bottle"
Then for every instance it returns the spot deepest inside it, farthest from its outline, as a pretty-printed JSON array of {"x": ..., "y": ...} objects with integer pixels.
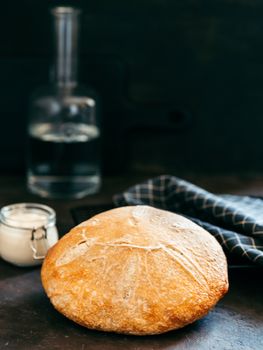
[{"x": 63, "y": 159}]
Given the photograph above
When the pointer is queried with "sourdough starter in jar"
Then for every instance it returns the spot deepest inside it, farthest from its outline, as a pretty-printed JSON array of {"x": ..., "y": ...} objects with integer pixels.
[{"x": 27, "y": 231}]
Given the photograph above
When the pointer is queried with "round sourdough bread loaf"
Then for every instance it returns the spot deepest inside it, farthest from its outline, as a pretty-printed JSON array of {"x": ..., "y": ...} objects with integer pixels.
[{"x": 135, "y": 270}]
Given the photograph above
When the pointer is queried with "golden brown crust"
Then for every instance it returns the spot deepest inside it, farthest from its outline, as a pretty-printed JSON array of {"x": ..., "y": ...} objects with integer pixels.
[{"x": 135, "y": 270}]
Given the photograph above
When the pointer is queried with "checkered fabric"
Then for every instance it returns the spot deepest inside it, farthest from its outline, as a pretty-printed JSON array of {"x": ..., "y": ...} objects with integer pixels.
[{"x": 235, "y": 221}]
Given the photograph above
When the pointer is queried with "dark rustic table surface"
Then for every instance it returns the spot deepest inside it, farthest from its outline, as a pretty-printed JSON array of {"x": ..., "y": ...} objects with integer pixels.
[{"x": 28, "y": 321}]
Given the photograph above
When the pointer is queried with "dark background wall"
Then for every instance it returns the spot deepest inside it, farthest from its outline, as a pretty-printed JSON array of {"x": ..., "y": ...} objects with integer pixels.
[{"x": 181, "y": 81}]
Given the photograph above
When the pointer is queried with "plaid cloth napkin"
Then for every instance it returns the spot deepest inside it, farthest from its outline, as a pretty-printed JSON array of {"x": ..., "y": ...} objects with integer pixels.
[{"x": 235, "y": 221}]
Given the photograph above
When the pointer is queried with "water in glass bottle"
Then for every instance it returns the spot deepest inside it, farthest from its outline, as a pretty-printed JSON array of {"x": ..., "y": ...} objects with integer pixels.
[{"x": 63, "y": 130}]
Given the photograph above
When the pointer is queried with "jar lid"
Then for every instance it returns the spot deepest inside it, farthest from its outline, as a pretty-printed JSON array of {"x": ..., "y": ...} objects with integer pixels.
[{"x": 27, "y": 215}]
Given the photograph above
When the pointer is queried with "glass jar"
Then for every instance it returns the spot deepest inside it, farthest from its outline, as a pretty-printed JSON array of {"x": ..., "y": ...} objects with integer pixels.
[
  {"x": 63, "y": 158},
  {"x": 27, "y": 231}
]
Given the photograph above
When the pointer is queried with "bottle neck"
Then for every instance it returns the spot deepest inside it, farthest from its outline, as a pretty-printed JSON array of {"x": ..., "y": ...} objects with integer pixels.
[{"x": 66, "y": 46}]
